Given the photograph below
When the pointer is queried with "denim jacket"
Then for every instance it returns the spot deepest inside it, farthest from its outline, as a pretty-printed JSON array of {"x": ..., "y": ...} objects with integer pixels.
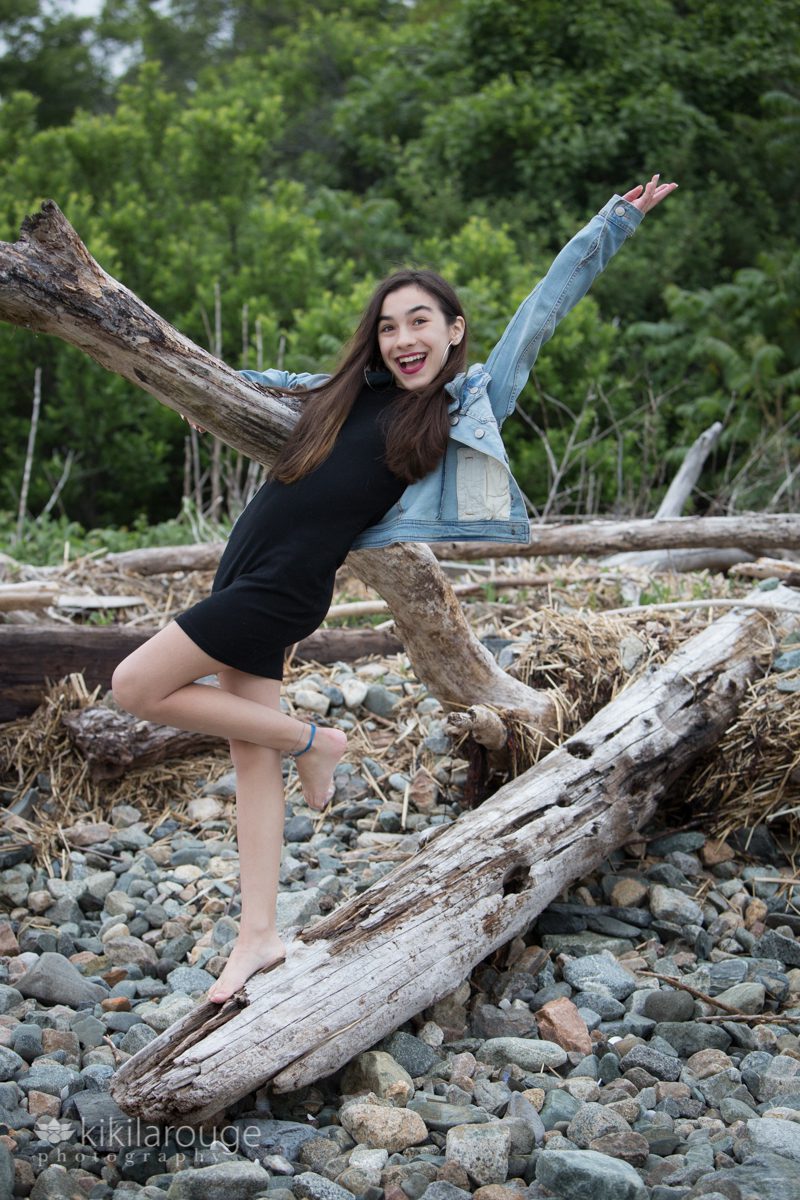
[{"x": 471, "y": 493}]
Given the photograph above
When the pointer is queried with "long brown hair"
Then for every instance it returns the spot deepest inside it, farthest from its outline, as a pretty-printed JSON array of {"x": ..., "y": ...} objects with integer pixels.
[{"x": 417, "y": 434}]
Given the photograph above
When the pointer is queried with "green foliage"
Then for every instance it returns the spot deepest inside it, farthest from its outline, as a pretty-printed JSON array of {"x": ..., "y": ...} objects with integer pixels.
[{"x": 287, "y": 155}]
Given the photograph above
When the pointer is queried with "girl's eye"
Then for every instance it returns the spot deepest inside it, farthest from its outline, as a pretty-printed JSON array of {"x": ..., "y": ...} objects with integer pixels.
[{"x": 385, "y": 329}]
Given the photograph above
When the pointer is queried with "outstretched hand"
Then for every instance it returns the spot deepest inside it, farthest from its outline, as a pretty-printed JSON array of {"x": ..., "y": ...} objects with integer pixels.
[{"x": 648, "y": 196}]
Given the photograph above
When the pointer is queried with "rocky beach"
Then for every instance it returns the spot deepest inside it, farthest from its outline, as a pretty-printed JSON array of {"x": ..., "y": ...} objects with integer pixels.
[{"x": 640, "y": 1042}]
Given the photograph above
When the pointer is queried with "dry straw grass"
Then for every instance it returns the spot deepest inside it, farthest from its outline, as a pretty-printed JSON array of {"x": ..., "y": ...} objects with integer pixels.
[{"x": 751, "y": 776}]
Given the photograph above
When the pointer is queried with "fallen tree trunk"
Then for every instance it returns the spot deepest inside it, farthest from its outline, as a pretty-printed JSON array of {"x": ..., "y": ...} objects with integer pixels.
[
  {"x": 415, "y": 934},
  {"x": 114, "y": 743},
  {"x": 33, "y": 654},
  {"x": 50, "y": 283},
  {"x": 36, "y": 596},
  {"x": 754, "y": 533}
]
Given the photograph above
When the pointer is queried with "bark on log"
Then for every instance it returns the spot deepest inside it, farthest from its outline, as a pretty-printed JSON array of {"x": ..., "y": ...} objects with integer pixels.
[
  {"x": 116, "y": 742},
  {"x": 415, "y": 934},
  {"x": 33, "y": 654},
  {"x": 49, "y": 282}
]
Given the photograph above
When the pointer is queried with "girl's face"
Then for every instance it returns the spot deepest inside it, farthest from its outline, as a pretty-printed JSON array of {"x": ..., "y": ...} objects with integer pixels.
[{"x": 414, "y": 336}]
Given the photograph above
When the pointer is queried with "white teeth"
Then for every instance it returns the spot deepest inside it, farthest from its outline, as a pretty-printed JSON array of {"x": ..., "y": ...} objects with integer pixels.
[{"x": 412, "y": 358}]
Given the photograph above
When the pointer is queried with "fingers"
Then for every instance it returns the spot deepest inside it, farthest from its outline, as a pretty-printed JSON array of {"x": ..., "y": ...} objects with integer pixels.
[{"x": 652, "y": 194}]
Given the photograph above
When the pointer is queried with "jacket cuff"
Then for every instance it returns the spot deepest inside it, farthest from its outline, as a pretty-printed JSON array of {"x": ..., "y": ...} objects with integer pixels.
[{"x": 622, "y": 213}]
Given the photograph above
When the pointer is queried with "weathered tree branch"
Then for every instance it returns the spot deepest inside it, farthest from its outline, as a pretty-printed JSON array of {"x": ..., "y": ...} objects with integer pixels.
[
  {"x": 414, "y": 935},
  {"x": 49, "y": 282}
]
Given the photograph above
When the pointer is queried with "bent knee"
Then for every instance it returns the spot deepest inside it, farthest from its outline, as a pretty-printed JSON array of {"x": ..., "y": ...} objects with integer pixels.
[{"x": 129, "y": 690}]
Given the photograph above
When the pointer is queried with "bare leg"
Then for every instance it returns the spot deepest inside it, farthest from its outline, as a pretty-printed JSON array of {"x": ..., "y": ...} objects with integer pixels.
[
  {"x": 259, "y": 832},
  {"x": 156, "y": 682}
]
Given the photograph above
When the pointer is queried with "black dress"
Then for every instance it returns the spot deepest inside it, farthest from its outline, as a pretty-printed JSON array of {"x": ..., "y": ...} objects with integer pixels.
[{"x": 276, "y": 576}]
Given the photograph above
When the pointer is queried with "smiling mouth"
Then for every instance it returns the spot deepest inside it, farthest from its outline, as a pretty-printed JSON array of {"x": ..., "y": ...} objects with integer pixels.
[{"x": 410, "y": 364}]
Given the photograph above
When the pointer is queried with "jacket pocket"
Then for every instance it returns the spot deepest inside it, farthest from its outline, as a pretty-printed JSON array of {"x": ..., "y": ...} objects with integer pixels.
[{"x": 482, "y": 486}]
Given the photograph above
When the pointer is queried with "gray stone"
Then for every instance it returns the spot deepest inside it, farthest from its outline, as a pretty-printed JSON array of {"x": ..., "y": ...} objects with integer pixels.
[
  {"x": 299, "y": 828},
  {"x": 746, "y": 997},
  {"x": 412, "y": 1054},
  {"x": 597, "y": 973},
  {"x": 652, "y": 1061},
  {"x": 716, "y": 1088},
  {"x": 606, "y": 1007},
  {"x": 587, "y": 1175},
  {"x": 668, "y": 1005},
  {"x": 482, "y": 1150},
  {"x": 221, "y": 1182},
  {"x": 257, "y": 1136},
  {"x": 137, "y": 1037},
  {"x": 558, "y": 1106},
  {"x": 13, "y": 886},
  {"x": 687, "y": 1037},
  {"x": 380, "y": 700},
  {"x": 732, "y": 1110},
  {"x": 776, "y": 945},
  {"x": 311, "y": 1186},
  {"x": 127, "y": 949},
  {"x": 763, "y": 1176},
  {"x": 670, "y": 904},
  {"x": 11, "y": 1064},
  {"x": 51, "y": 1077},
  {"x": 585, "y": 944},
  {"x": 376, "y": 1071},
  {"x": 26, "y": 1040},
  {"x": 441, "y": 1116},
  {"x": 440, "y": 1189},
  {"x": 53, "y": 979},
  {"x": 296, "y": 908},
  {"x": 593, "y": 1121},
  {"x": 89, "y": 1031},
  {"x": 490, "y": 1094},
  {"x": 684, "y": 842},
  {"x": 190, "y": 980},
  {"x": 6, "y": 1171},
  {"x": 774, "y": 1136},
  {"x": 768, "y": 1076},
  {"x": 528, "y": 1053},
  {"x": 9, "y": 998},
  {"x": 54, "y": 1183}
]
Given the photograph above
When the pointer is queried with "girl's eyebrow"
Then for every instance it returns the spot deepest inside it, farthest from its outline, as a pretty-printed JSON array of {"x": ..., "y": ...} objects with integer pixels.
[{"x": 409, "y": 311}]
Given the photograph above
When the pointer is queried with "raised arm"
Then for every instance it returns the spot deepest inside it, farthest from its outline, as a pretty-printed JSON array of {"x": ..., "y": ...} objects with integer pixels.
[{"x": 567, "y": 281}]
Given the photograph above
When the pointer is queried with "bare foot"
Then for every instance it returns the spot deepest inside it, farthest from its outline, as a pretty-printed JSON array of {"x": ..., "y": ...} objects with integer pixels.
[
  {"x": 316, "y": 767},
  {"x": 248, "y": 956}
]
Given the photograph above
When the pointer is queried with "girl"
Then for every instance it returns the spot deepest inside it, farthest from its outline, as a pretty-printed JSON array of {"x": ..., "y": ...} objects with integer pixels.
[{"x": 402, "y": 443}]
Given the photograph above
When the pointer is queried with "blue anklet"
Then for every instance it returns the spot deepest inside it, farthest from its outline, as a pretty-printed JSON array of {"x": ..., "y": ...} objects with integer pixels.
[{"x": 309, "y": 743}]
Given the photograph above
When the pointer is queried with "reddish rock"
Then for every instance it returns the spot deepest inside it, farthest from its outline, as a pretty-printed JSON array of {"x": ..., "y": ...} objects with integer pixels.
[
  {"x": 88, "y": 833},
  {"x": 628, "y": 893},
  {"x": 61, "y": 1039},
  {"x": 115, "y": 975},
  {"x": 451, "y": 1172},
  {"x": 708, "y": 1062},
  {"x": 628, "y": 1145},
  {"x": 714, "y": 852},
  {"x": 41, "y": 1104},
  {"x": 559, "y": 1021},
  {"x": 116, "y": 1004},
  {"x": 9, "y": 945},
  {"x": 499, "y": 1191},
  {"x": 673, "y": 1091}
]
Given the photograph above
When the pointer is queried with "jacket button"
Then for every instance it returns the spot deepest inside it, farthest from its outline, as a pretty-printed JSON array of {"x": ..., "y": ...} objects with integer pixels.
[
  {"x": 454, "y": 420},
  {"x": 620, "y": 210},
  {"x": 479, "y": 433}
]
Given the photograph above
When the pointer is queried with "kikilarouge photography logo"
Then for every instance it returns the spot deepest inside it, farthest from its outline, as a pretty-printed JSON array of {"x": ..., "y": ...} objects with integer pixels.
[{"x": 50, "y": 1129}]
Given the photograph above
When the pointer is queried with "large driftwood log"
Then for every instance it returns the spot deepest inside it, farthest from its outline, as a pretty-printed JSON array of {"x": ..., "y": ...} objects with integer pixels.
[
  {"x": 49, "y": 282},
  {"x": 33, "y": 654},
  {"x": 414, "y": 936}
]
